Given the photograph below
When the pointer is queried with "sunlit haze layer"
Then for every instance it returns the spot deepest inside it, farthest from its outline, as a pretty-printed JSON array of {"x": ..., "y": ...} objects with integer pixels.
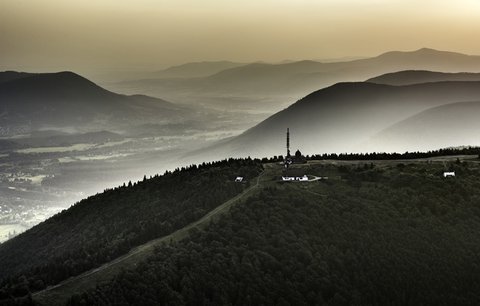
[{"x": 98, "y": 36}]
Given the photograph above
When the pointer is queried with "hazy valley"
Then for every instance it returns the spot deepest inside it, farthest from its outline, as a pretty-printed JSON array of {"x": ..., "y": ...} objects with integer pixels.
[{"x": 64, "y": 137}]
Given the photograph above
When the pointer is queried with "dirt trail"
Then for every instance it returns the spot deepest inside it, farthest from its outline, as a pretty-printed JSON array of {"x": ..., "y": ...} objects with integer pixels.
[{"x": 58, "y": 294}]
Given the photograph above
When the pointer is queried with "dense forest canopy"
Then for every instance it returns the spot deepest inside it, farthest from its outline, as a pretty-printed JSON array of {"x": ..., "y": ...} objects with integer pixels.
[
  {"x": 383, "y": 229},
  {"x": 387, "y": 234},
  {"x": 105, "y": 226}
]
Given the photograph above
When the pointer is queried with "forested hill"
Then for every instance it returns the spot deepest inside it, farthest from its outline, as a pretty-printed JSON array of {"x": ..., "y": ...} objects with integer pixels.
[
  {"x": 371, "y": 232},
  {"x": 386, "y": 233},
  {"x": 105, "y": 226}
]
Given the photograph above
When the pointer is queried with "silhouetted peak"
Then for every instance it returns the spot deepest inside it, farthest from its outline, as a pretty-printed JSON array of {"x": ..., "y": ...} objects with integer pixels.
[
  {"x": 65, "y": 80},
  {"x": 426, "y": 50},
  {"x": 69, "y": 74},
  {"x": 420, "y": 52},
  {"x": 65, "y": 76},
  {"x": 346, "y": 87}
]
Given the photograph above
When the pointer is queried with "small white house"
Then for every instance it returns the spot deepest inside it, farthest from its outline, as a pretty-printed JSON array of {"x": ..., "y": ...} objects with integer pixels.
[
  {"x": 302, "y": 178},
  {"x": 449, "y": 174},
  {"x": 239, "y": 179},
  {"x": 294, "y": 174}
]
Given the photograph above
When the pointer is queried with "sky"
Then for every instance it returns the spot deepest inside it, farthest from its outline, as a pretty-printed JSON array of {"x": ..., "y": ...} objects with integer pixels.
[{"x": 118, "y": 35}]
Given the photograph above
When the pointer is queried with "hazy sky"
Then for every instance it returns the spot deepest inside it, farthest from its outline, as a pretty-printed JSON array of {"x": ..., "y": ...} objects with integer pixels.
[{"x": 100, "y": 35}]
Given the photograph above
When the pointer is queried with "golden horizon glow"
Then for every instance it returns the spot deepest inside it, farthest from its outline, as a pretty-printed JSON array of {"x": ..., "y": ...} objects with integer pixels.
[{"x": 108, "y": 35}]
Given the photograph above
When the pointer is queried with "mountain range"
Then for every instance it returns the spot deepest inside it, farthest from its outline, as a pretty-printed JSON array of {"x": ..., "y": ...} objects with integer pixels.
[
  {"x": 340, "y": 118},
  {"x": 270, "y": 87},
  {"x": 344, "y": 117},
  {"x": 232, "y": 232}
]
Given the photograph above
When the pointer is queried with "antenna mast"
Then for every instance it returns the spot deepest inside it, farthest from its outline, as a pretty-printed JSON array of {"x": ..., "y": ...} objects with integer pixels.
[
  {"x": 288, "y": 158},
  {"x": 288, "y": 142}
]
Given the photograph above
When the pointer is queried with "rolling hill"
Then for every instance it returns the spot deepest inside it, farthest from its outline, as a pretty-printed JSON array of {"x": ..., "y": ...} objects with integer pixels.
[
  {"x": 66, "y": 99},
  {"x": 341, "y": 117},
  {"x": 449, "y": 125},
  {"x": 410, "y": 77},
  {"x": 335, "y": 245},
  {"x": 195, "y": 69}
]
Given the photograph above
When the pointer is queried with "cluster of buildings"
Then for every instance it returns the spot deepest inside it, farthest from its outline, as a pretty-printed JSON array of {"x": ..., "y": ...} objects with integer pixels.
[{"x": 289, "y": 173}]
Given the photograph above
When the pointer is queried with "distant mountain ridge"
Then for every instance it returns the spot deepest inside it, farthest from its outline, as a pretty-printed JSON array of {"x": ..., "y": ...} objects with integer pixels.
[
  {"x": 271, "y": 87},
  {"x": 422, "y": 59},
  {"x": 196, "y": 69}
]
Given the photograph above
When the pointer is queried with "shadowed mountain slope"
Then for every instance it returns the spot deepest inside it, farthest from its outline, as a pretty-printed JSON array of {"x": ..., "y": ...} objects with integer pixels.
[
  {"x": 449, "y": 125},
  {"x": 67, "y": 99},
  {"x": 340, "y": 117}
]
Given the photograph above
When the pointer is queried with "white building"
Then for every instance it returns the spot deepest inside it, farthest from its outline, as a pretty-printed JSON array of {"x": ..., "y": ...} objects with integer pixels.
[
  {"x": 447, "y": 174},
  {"x": 302, "y": 178},
  {"x": 294, "y": 174}
]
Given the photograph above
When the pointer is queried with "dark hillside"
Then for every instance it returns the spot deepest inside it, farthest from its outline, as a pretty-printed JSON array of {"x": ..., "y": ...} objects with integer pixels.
[
  {"x": 68, "y": 99},
  {"x": 100, "y": 228},
  {"x": 6, "y": 76},
  {"x": 385, "y": 234}
]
